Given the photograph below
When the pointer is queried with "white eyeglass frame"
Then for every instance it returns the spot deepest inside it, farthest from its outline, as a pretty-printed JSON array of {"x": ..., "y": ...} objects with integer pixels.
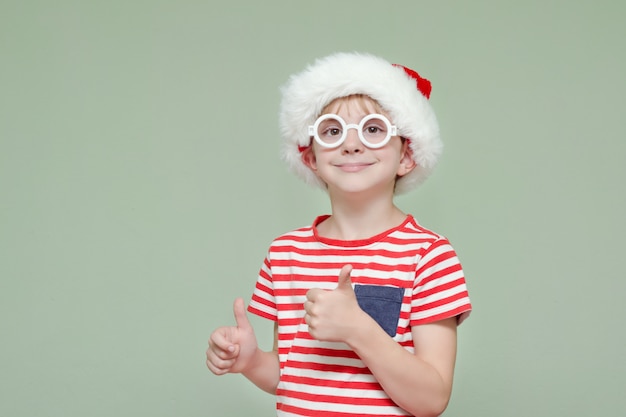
[{"x": 391, "y": 130}]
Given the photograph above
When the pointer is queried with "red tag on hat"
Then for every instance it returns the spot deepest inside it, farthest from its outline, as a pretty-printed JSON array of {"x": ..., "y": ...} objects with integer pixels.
[{"x": 423, "y": 85}]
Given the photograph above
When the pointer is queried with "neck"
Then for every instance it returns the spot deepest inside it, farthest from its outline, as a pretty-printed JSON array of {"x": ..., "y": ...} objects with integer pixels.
[{"x": 356, "y": 217}]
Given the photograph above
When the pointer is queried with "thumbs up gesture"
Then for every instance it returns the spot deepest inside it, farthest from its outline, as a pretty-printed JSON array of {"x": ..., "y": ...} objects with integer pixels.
[
  {"x": 232, "y": 347},
  {"x": 332, "y": 315}
]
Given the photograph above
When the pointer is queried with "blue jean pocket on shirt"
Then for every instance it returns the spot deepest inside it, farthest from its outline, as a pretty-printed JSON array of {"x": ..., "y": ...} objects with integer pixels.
[{"x": 383, "y": 304}]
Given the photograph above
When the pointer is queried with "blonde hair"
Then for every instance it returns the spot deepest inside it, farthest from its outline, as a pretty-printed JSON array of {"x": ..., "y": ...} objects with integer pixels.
[{"x": 363, "y": 102}]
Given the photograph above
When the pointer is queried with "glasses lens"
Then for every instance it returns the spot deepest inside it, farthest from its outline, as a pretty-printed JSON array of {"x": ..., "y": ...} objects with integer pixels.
[
  {"x": 375, "y": 130},
  {"x": 330, "y": 130}
]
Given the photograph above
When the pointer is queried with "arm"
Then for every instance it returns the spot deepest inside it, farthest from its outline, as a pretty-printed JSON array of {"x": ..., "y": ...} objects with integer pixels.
[
  {"x": 234, "y": 349},
  {"x": 264, "y": 371},
  {"x": 419, "y": 382}
]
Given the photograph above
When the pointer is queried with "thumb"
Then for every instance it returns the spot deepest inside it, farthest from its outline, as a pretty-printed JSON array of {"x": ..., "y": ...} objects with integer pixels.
[
  {"x": 344, "y": 281},
  {"x": 241, "y": 317}
]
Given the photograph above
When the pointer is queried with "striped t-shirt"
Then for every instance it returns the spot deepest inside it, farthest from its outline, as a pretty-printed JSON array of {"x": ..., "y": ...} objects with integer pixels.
[{"x": 403, "y": 277}]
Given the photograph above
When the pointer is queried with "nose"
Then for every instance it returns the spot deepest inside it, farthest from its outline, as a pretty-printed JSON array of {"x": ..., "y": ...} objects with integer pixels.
[{"x": 352, "y": 144}]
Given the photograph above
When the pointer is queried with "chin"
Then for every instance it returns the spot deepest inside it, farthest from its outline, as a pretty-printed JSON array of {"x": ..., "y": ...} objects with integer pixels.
[{"x": 360, "y": 188}]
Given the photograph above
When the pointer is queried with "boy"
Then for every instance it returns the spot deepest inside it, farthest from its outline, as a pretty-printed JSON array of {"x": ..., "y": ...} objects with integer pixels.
[{"x": 365, "y": 301}]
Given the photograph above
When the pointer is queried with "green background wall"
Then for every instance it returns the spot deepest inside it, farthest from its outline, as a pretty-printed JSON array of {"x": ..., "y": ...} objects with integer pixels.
[{"x": 140, "y": 186}]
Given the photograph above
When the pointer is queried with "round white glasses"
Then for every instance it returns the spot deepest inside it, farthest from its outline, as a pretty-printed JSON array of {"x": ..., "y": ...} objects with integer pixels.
[{"x": 374, "y": 130}]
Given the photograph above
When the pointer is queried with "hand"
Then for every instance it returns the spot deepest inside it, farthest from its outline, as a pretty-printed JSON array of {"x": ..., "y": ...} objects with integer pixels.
[
  {"x": 332, "y": 315},
  {"x": 231, "y": 348}
]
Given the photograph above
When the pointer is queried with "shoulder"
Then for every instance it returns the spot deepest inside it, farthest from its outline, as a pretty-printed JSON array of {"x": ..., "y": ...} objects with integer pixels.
[
  {"x": 412, "y": 231},
  {"x": 301, "y": 234},
  {"x": 429, "y": 246}
]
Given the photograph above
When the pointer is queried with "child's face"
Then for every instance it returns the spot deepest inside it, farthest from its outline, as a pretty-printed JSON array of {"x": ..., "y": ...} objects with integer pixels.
[{"x": 352, "y": 166}]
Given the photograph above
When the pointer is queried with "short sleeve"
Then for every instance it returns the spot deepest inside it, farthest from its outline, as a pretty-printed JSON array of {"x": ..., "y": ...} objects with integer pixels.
[
  {"x": 439, "y": 291},
  {"x": 263, "y": 302}
]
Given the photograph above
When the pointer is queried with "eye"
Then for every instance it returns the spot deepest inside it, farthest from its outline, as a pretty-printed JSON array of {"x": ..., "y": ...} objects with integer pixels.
[
  {"x": 330, "y": 129},
  {"x": 374, "y": 127}
]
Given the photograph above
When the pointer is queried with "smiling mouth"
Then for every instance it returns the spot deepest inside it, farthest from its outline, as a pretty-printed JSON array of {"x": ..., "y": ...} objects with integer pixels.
[{"x": 353, "y": 166}]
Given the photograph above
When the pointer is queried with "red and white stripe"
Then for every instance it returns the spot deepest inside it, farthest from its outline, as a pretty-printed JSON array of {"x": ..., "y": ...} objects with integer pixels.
[{"x": 326, "y": 378}]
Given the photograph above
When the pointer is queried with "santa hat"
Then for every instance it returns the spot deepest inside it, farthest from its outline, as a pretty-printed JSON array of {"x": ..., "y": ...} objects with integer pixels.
[{"x": 400, "y": 91}]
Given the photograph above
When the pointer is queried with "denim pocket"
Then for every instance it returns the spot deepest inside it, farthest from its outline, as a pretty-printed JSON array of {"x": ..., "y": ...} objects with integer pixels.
[{"x": 383, "y": 304}]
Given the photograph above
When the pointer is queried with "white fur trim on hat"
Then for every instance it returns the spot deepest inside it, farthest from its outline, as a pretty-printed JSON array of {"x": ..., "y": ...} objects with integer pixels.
[{"x": 306, "y": 94}]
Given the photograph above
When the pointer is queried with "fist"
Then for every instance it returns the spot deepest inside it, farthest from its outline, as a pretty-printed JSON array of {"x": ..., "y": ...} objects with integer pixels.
[
  {"x": 231, "y": 348},
  {"x": 332, "y": 315}
]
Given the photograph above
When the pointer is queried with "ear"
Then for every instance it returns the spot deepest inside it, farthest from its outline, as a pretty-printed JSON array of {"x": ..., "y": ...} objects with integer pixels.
[
  {"x": 407, "y": 163},
  {"x": 308, "y": 158}
]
